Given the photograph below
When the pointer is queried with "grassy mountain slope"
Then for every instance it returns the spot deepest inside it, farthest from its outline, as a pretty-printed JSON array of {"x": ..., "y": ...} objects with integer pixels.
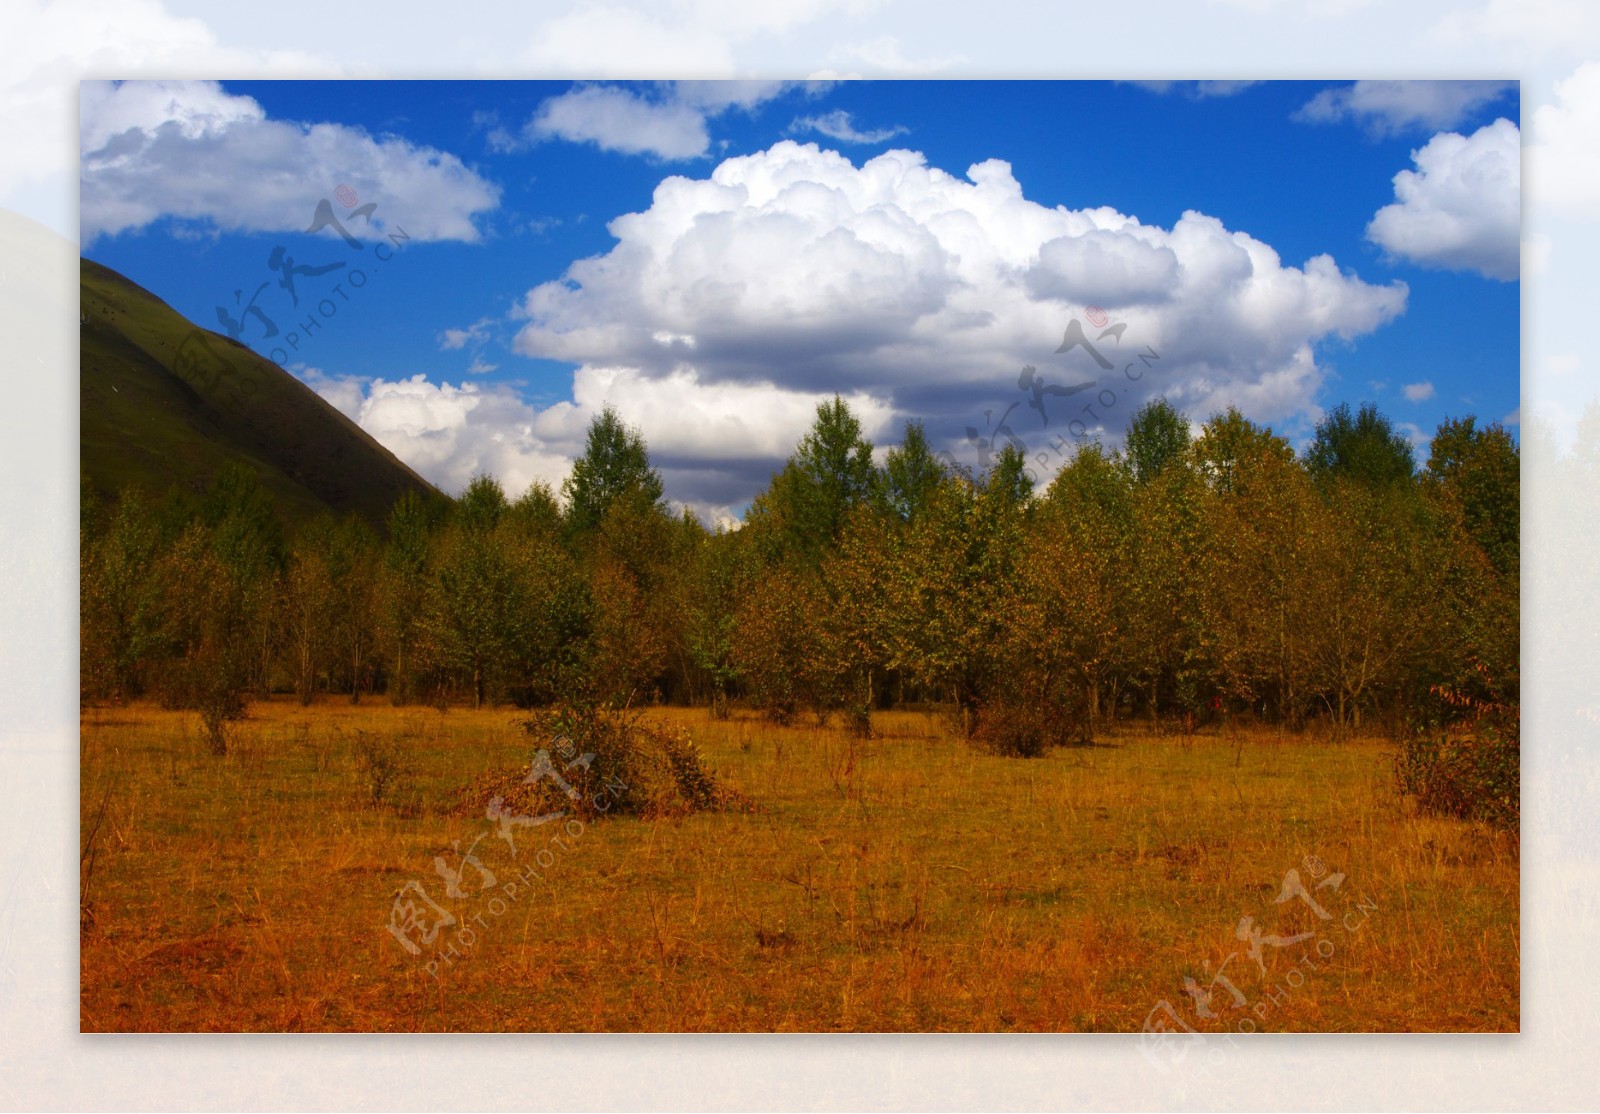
[{"x": 165, "y": 402}]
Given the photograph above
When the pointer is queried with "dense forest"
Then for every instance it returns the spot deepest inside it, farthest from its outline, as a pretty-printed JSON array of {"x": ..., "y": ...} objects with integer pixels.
[{"x": 1185, "y": 578}]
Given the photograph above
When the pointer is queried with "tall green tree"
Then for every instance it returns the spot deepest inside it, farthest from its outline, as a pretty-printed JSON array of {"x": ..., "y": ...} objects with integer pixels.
[
  {"x": 482, "y": 505},
  {"x": 403, "y": 588},
  {"x": 1158, "y": 436},
  {"x": 911, "y": 474},
  {"x": 1363, "y": 447},
  {"x": 1479, "y": 471},
  {"x": 478, "y": 608},
  {"x": 831, "y": 472},
  {"x": 615, "y": 464}
]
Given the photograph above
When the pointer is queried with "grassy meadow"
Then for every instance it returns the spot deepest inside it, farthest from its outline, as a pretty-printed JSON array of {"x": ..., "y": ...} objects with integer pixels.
[{"x": 904, "y": 883}]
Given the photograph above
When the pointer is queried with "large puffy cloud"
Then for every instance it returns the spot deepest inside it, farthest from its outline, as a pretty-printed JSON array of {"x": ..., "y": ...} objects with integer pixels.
[
  {"x": 1563, "y": 157},
  {"x": 709, "y": 441},
  {"x": 794, "y": 270},
  {"x": 1392, "y": 107},
  {"x": 191, "y": 150},
  {"x": 55, "y": 42},
  {"x": 1461, "y": 208},
  {"x": 448, "y": 433}
]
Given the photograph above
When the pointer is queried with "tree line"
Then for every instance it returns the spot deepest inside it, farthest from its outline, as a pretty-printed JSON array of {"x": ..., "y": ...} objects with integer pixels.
[{"x": 1183, "y": 576}]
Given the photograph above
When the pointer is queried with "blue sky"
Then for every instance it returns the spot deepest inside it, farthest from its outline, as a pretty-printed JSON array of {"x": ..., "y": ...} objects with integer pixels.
[{"x": 717, "y": 319}]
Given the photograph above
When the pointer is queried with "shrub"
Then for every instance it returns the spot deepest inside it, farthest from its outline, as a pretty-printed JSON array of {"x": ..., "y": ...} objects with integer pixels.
[
  {"x": 1466, "y": 760},
  {"x": 599, "y": 761},
  {"x": 379, "y": 767},
  {"x": 1024, "y": 730}
]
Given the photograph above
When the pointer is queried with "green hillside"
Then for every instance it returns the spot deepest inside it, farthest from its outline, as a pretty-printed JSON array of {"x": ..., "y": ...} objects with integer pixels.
[{"x": 164, "y": 402}]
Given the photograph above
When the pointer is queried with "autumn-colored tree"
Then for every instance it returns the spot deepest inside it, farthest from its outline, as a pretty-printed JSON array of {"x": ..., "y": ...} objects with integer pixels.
[
  {"x": 208, "y": 609},
  {"x": 712, "y": 599},
  {"x": 851, "y": 645},
  {"x": 633, "y": 584},
  {"x": 1160, "y": 608},
  {"x": 1370, "y": 585},
  {"x": 1077, "y": 576},
  {"x": 478, "y": 603},
  {"x": 248, "y": 536},
  {"x": 933, "y": 619},
  {"x": 120, "y": 601},
  {"x": 402, "y": 589},
  {"x": 306, "y": 610},
  {"x": 1478, "y": 470},
  {"x": 774, "y": 638},
  {"x": 1256, "y": 506}
]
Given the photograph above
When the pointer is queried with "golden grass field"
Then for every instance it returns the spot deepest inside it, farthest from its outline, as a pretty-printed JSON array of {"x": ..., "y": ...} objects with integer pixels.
[{"x": 906, "y": 883}]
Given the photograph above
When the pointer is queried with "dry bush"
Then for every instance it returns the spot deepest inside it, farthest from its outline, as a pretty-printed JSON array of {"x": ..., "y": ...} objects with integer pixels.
[
  {"x": 380, "y": 768},
  {"x": 1467, "y": 761},
  {"x": 1026, "y": 730},
  {"x": 598, "y": 761}
]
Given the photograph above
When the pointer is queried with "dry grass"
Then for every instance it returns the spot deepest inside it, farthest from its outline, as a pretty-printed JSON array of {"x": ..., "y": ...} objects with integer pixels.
[{"x": 902, "y": 883}]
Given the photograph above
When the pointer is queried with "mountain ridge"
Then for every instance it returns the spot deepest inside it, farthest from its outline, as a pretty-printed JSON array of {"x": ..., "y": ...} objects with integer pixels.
[{"x": 164, "y": 401}]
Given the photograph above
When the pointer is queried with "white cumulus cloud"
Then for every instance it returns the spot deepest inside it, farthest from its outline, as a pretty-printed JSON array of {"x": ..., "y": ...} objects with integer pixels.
[
  {"x": 475, "y": 333},
  {"x": 1461, "y": 208},
  {"x": 191, "y": 150},
  {"x": 714, "y": 443},
  {"x": 795, "y": 270},
  {"x": 57, "y": 42},
  {"x": 669, "y": 121},
  {"x": 449, "y": 433},
  {"x": 617, "y": 119},
  {"x": 1418, "y": 392}
]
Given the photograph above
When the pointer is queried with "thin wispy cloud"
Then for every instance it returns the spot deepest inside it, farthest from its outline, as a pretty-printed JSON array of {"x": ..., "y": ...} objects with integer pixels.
[
  {"x": 1196, "y": 90},
  {"x": 475, "y": 333},
  {"x": 839, "y": 125}
]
